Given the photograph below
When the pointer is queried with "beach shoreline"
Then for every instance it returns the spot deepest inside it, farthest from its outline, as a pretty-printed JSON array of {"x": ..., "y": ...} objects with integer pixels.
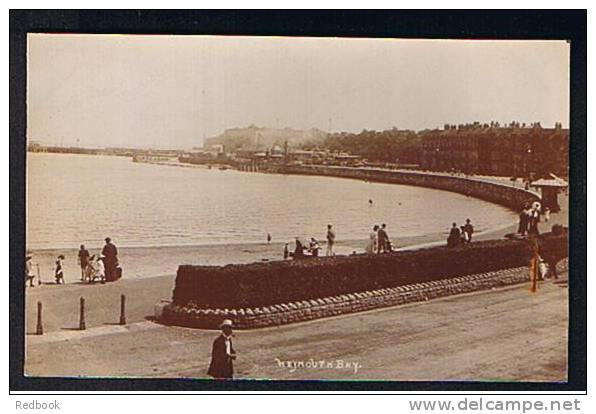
[{"x": 156, "y": 261}]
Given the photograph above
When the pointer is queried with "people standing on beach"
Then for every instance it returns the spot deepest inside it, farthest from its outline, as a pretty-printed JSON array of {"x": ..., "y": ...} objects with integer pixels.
[
  {"x": 469, "y": 229},
  {"x": 382, "y": 240},
  {"x": 268, "y": 238},
  {"x": 286, "y": 251},
  {"x": 83, "y": 260},
  {"x": 314, "y": 247},
  {"x": 59, "y": 270},
  {"x": 371, "y": 247},
  {"x": 299, "y": 250},
  {"x": 223, "y": 354},
  {"x": 454, "y": 236},
  {"x": 95, "y": 269},
  {"x": 29, "y": 275},
  {"x": 110, "y": 261},
  {"x": 330, "y": 240},
  {"x": 100, "y": 269},
  {"x": 463, "y": 235}
]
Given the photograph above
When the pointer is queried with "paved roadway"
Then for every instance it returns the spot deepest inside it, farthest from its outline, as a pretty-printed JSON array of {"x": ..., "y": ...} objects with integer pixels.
[{"x": 507, "y": 334}]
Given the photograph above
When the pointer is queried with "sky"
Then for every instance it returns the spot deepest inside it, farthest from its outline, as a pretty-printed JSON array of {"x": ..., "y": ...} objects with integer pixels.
[{"x": 172, "y": 91}]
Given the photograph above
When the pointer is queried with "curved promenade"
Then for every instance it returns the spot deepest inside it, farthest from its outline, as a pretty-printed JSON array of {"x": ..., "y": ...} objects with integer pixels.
[{"x": 496, "y": 191}]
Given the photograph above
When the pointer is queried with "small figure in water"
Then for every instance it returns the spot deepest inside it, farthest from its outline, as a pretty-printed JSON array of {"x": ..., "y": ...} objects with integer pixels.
[
  {"x": 370, "y": 202},
  {"x": 286, "y": 251},
  {"x": 268, "y": 238}
]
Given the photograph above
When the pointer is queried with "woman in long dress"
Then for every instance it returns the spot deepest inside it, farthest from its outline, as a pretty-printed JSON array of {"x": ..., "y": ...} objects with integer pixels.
[{"x": 371, "y": 247}]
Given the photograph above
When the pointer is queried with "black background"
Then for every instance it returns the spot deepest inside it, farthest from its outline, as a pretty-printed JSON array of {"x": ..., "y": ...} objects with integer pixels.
[{"x": 454, "y": 24}]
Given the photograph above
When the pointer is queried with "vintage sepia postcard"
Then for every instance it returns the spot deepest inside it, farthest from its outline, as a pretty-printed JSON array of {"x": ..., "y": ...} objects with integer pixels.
[{"x": 232, "y": 208}]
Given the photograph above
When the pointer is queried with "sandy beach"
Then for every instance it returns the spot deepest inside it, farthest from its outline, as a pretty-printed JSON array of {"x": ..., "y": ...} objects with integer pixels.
[{"x": 143, "y": 262}]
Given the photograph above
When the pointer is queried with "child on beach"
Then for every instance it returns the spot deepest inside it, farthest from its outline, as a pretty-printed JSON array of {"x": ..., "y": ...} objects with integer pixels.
[
  {"x": 100, "y": 269},
  {"x": 29, "y": 276},
  {"x": 59, "y": 271}
]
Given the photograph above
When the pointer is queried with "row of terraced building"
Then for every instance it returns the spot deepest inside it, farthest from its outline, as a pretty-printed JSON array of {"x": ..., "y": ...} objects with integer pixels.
[{"x": 491, "y": 149}]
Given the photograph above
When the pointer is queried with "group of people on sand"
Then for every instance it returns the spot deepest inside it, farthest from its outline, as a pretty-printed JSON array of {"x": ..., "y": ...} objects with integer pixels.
[
  {"x": 461, "y": 235},
  {"x": 311, "y": 248},
  {"x": 102, "y": 267},
  {"x": 303, "y": 249},
  {"x": 379, "y": 241}
]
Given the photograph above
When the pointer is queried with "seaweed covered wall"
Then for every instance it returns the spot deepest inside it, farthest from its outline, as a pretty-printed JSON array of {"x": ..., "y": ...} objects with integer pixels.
[{"x": 265, "y": 284}]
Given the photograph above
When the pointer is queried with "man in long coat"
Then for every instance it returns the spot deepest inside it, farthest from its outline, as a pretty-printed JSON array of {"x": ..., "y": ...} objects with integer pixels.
[
  {"x": 111, "y": 259},
  {"x": 223, "y": 354}
]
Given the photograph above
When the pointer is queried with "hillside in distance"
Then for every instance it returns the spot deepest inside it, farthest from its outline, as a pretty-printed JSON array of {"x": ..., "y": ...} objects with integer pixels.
[{"x": 263, "y": 138}]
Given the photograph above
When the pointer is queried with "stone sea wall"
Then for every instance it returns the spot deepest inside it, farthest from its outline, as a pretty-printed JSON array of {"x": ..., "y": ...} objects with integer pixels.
[
  {"x": 504, "y": 195},
  {"x": 193, "y": 316}
]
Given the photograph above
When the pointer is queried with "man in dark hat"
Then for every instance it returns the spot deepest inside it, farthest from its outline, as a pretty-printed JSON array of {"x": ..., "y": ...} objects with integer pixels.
[
  {"x": 111, "y": 259},
  {"x": 223, "y": 354}
]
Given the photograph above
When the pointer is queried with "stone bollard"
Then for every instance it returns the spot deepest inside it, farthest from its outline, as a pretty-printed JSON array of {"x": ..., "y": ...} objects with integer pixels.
[
  {"x": 82, "y": 326},
  {"x": 39, "y": 330},
  {"x": 122, "y": 310}
]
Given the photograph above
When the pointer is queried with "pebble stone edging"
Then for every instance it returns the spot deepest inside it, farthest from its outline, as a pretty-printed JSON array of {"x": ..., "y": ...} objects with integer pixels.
[{"x": 281, "y": 314}]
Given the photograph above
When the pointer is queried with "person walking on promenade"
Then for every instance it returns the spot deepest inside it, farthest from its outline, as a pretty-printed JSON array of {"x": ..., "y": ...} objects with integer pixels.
[
  {"x": 59, "y": 270},
  {"x": 330, "y": 240},
  {"x": 522, "y": 229},
  {"x": 454, "y": 236},
  {"x": 223, "y": 354},
  {"x": 534, "y": 219},
  {"x": 83, "y": 260},
  {"x": 110, "y": 260},
  {"x": 382, "y": 240},
  {"x": 371, "y": 247},
  {"x": 29, "y": 275},
  {"x": 469, "y": 229}
]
